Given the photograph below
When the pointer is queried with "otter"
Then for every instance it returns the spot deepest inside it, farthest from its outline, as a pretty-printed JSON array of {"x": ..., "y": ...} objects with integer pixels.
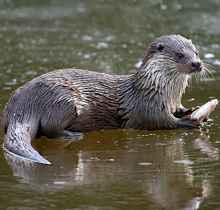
[{"x": 67, "y": 103}]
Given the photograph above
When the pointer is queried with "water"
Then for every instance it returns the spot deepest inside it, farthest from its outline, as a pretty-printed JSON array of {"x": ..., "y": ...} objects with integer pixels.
[{"x": 173, "y": 169}]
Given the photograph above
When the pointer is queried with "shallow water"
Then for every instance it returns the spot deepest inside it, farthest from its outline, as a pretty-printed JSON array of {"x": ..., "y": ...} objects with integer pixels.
[{"x": 171, "y": 169}]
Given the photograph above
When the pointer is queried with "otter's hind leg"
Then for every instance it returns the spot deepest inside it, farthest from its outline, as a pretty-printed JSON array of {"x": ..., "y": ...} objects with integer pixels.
[
  {"x": 57, "y": 118},
  {"x": 68, "y": 135}
]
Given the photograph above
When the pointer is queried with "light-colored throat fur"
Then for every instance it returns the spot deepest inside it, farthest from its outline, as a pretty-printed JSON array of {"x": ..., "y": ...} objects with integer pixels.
[{"x": 160, "y": 83}]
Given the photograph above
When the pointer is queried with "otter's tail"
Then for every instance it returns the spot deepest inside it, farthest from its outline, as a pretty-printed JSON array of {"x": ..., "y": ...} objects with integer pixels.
[{"x": 18, "y": 142}]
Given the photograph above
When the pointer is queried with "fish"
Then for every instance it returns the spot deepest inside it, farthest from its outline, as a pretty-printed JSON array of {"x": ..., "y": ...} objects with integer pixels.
[{"x": 204, "y": 111}]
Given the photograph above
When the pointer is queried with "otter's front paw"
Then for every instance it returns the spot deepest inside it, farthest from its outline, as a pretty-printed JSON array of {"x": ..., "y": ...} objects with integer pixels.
[
  {"x": 185, "y": 112},
  {"x": 190, "y": 111},
  {"x": 187, "y": 123}
]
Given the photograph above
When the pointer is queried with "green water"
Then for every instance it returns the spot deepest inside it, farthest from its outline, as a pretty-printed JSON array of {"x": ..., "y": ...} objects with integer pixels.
[{"x": 173, "y": 169}]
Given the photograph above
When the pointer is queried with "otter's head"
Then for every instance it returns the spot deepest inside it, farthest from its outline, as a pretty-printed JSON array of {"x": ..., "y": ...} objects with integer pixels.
[
  {"x": 164, "y": 73},
  {"x": 174, "y": 53}
]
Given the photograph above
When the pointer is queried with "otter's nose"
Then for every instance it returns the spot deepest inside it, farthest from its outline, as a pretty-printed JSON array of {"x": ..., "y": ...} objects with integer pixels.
[{"x": 197, "y": 66}]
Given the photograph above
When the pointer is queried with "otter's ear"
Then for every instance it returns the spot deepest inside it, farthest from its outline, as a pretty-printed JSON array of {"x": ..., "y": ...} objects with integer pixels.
[{"x": 160, "y": 46}]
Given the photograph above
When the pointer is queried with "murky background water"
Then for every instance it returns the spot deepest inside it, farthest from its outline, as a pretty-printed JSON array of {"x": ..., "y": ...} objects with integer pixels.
[{"x": 173, "y": 169}]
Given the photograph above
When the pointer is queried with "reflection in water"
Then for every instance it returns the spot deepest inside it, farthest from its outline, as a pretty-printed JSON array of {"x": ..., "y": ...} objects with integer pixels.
[
  {"x": 167, "y": 179},
  {"x": 207, "y": 148}
]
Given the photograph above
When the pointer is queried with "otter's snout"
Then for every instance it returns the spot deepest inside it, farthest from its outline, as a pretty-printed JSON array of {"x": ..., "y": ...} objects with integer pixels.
[{"x": 196, "y": 66}]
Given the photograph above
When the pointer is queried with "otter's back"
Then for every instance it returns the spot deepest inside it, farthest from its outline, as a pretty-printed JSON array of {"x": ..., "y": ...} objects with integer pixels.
[{"x": 77, "y": 100}]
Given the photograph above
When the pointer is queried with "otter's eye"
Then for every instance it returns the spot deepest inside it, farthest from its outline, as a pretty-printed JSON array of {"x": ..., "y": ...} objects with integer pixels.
[
  {"x": 197, "y": 54},
  {"x": 180, "y": 55}
]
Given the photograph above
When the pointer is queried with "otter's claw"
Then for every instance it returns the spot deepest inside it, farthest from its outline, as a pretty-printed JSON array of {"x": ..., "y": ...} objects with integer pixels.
[
  {"x": 185, "y": 112},
  {"x": 206, "y": 119},
  {"x": 190, "y": 111}
]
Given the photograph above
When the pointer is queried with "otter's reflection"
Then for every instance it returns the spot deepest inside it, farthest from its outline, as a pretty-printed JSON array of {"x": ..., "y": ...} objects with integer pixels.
[{"x": 168, "y": 178}]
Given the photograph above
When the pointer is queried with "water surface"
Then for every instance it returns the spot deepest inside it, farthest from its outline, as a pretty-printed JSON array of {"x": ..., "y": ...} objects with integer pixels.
[{"x": 171, "y": 169}]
